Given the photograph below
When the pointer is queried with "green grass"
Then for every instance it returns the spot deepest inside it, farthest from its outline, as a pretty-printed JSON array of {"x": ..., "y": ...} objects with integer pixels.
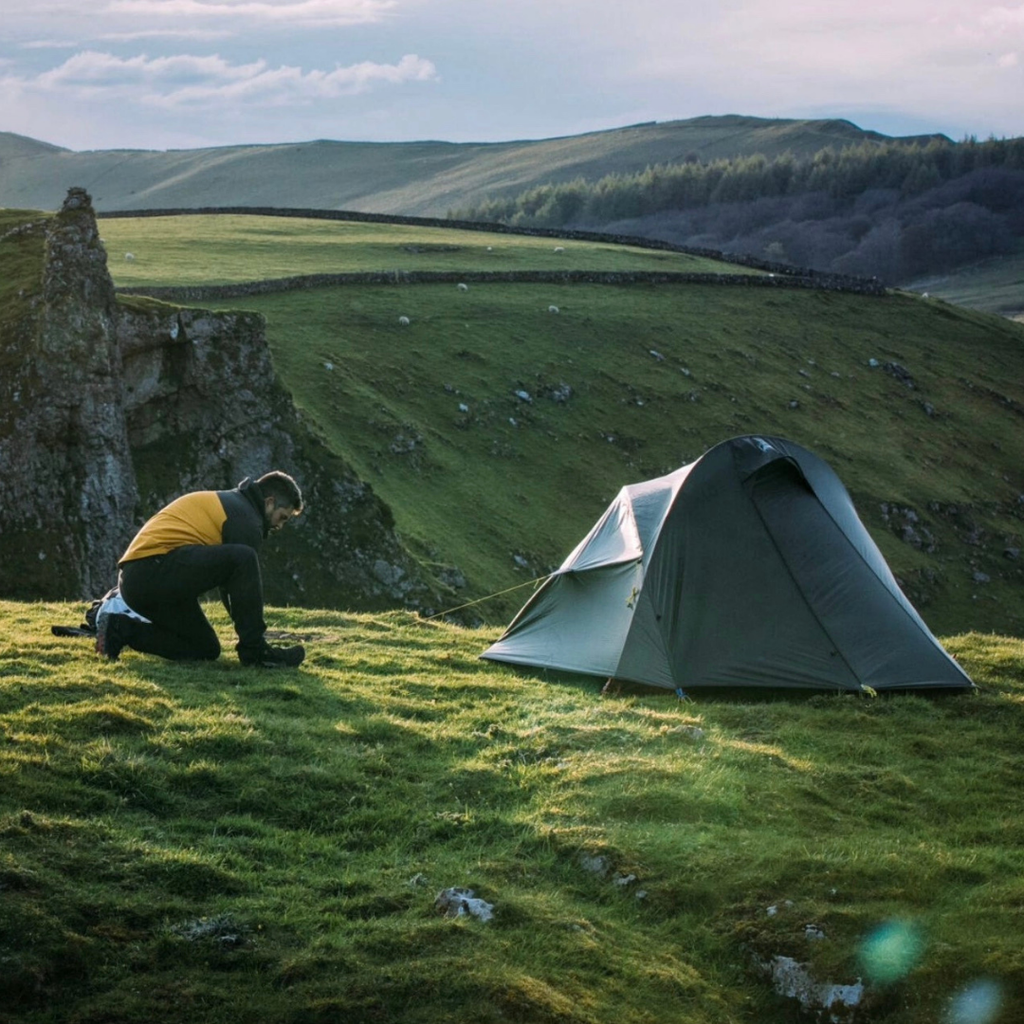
[
  {"x": 211, "y": 843},
  {"x": 625, "y": 383},
  {"x": 993, "y": 286},
  {"x": 478, "y": 477},
  {"x": 226, "y": 249},
  {"x": 22, "y": 257}
]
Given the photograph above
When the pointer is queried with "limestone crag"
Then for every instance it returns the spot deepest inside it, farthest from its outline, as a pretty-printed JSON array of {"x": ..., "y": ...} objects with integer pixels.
[
  {"x": 116, "y": 407},
  {"x": 67, "y": 487}
]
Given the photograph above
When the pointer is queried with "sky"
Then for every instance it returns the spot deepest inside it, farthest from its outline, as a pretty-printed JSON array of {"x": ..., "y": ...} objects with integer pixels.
[{"x": 188, "y": 74}]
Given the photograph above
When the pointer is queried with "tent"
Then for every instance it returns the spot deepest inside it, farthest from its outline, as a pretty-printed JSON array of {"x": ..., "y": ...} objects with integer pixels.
[{"x": 748, "y": 567}]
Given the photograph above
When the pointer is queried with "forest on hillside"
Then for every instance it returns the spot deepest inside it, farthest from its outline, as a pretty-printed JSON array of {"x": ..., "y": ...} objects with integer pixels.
[{"x": 891, "y": 211}]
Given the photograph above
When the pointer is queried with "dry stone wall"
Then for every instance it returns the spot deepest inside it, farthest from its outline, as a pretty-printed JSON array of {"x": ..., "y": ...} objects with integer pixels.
[
  {"x": 783, "y": 274},
  {"x": 215, "y": 293}
]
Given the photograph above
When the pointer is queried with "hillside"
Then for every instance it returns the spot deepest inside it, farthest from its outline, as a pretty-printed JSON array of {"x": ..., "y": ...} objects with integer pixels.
[
  {"x": 417, "y": 178},
  {"x": 890, "y": 211},
  {"x": 209, "y": 844},
  {"x": 993, "y": 286},
  {"x": 497, "y": 430}
]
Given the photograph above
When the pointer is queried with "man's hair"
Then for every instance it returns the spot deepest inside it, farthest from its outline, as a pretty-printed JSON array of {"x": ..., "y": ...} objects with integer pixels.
[{"x": 282, "y": 488}]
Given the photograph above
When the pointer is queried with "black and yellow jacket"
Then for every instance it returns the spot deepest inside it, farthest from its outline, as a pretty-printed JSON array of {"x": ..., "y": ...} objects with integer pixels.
[{"x": 203, "y": 517}]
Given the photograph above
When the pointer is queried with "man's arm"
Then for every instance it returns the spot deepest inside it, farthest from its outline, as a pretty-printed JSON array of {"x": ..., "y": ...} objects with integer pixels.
[{"x": 244, "y": 522}]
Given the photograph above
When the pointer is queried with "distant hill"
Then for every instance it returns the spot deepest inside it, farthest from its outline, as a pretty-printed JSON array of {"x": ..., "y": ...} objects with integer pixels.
[
  {"x": 20, "y": 147},
  {"x": 898, "y": 238},
  {"x": 896, "y": 212},
  {"x": 417, "y": 178}
]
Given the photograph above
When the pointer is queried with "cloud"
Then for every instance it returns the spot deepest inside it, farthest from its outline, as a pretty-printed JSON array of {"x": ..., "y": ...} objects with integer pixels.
[
  {"x": 296, "y": 14},
  {"x": 534, "y": 68},
  {"x": 1001, "y": 18},
  {"x": 185, "y": 81},
  {"x": 163, "y": 33},
  {"x": 50, "y": 44},
  {"x": 128, "y": 37}
]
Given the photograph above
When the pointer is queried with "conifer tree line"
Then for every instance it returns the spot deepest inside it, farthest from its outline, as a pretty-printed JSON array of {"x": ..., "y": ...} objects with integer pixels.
[{"x": 930, "y": 206}]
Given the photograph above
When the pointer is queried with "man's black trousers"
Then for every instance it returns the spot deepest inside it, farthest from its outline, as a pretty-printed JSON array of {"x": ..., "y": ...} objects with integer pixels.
[{"x": 166, "y": 590}]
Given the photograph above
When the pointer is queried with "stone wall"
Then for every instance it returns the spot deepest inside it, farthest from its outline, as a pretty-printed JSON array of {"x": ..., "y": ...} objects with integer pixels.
[
  {"x": 785, "y": 274},
  {"x": 214, "y": 293}
]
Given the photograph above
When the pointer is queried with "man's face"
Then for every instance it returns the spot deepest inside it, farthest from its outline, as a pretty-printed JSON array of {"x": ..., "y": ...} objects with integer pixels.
[{"x": 277, "y": 515}]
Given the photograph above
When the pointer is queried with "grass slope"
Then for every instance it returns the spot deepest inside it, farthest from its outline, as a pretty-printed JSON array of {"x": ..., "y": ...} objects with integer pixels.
[
  {"x": 993, "y": 286},
  {"x": 417, "y": 178},
  {"x": 210, "y": 843},
  {"x": 623, "y": 383},
  {"x": 229, "y": 248}
]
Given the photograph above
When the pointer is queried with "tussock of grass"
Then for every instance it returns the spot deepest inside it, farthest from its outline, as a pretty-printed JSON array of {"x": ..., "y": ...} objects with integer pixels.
[{"x": 210, "y": 843}]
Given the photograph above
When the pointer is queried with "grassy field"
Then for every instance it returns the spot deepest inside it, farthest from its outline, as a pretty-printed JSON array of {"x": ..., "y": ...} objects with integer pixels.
[
  {"x": 210, "y": 844},
  {"x": 621, "y": 384},
  {"x": 190, "y": 250},
  {"x": 994, "y": 286}
]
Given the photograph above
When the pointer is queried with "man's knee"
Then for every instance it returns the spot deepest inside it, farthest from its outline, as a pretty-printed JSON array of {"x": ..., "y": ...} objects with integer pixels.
[
  {"x": 241, "y": 554},
  {"x": 244, "y": 560}
]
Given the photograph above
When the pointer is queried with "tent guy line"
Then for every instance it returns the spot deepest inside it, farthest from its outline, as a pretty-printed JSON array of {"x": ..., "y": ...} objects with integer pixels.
[{"x": 488, "y": 597}]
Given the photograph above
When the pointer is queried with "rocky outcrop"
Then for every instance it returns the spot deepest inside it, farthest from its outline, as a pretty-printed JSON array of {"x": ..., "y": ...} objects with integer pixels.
[{"x": 113, "y": 408}]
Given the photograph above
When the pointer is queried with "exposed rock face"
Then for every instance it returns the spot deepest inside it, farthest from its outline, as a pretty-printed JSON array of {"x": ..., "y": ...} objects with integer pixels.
[{"x": 113, "y": 409}]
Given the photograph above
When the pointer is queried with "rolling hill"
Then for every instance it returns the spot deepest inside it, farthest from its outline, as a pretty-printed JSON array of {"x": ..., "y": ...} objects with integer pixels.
[
  {"x": 497, "y": 430},
  {"x": 415, "y": 178}
]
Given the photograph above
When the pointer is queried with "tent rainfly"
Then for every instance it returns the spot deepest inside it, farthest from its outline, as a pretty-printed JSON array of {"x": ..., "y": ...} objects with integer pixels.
[{"x": 748, "y": 567}]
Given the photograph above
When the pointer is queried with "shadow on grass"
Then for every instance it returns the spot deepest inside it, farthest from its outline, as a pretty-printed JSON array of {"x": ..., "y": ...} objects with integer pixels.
[{"x": 623, "y": 688}]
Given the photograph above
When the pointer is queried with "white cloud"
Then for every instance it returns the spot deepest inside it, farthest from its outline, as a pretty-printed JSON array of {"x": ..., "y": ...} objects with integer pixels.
[
  {"x": 195, "y": 35},
  {"x": 523, "y": 69},
  {"x": 185, "y": 80},
  {"x": 296, "y": 14},
  {"x": 1001, "y": 18},
  {"x": 50, "y": 44}
]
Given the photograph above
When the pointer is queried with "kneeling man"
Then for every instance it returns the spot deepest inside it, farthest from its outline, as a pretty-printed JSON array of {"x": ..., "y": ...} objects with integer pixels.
[{"x": 199, "y": 542}]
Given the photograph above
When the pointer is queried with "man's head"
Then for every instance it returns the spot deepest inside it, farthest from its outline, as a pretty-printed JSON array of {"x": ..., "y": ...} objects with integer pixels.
[{"x": 282, "y": 498}]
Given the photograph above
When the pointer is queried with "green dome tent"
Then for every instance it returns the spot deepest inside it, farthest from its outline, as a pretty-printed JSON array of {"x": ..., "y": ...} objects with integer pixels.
[{"x": 748, "y": 567}]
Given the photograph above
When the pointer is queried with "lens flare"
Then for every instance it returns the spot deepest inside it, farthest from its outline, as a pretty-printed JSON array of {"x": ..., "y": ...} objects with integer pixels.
[
  {"x": 978, "y": 1003},
  {"x": 891, "y": 951}
]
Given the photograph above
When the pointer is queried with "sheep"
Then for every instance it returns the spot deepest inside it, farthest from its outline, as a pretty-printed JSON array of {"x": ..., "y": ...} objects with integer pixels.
[
  {"x": 553, "y": 309},
  {"x": 129, "y": 256},
  {"x": 559, "y": 248},
  {"x": 462, "y": 287},
  {"x": 404, "y": 321}
]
